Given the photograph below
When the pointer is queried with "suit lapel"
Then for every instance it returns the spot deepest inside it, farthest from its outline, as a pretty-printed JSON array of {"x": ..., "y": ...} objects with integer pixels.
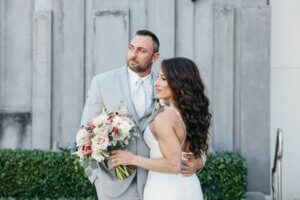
[
  {"x": 152, "y": 111},
  {"x": 124, "y": 84},
  {"x": 146, "y": 119}
]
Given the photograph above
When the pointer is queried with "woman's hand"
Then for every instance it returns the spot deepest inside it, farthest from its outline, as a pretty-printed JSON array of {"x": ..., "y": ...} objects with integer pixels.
[{"x": 121, "y": 157}]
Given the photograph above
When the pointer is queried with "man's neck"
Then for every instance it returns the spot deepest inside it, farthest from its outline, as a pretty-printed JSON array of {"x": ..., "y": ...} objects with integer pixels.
[{"x": 141, "y": 74}]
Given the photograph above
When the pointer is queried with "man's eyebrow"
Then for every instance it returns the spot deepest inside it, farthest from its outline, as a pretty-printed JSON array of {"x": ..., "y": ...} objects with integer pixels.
[
  {"x": 139, "y": 47},
  {"x": 142, "y": 48}
]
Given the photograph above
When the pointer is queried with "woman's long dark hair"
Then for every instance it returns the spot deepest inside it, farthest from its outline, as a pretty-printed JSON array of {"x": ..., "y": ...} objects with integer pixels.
[{"x": 183, "y": 77}]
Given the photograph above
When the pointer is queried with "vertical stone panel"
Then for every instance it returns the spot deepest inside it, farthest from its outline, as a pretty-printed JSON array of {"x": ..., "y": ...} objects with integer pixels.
[
  {"x": 161, "y": 20},
  {"x": 15, "y": 73},
  {"x": 223, "y": 78},
  {"x": 109, "y": 46},
  {"x": 203, "y": 42},
  {"x": 2, "y": 54},
  {"x": 137, "y": 16},
  {"x": 237, "y": 4},
  {"x": 68, "y": 70},
  {"x": 16, "y": 54},
  {"x": 184, "y": 28},
  {"x": 41, "y": 80},
  {"x": 108, "y": 28},
  {"x": 88, "y": 45},
  {"x": 255, "y": 96}
]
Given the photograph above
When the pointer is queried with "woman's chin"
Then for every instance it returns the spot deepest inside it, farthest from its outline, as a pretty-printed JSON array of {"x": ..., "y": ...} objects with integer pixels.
[{"x": 158, "y": 96}]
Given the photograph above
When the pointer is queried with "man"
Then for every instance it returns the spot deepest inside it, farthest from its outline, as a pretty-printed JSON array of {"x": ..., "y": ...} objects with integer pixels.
[{"x": 132, "y": 85}]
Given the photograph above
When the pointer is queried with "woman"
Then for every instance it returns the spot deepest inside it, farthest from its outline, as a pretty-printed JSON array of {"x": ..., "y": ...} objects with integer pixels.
[{"x": 182, "y": 127}]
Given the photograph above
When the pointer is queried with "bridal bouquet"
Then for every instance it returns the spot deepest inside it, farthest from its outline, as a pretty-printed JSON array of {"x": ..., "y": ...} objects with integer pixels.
[{"x": 107, "y": 132}]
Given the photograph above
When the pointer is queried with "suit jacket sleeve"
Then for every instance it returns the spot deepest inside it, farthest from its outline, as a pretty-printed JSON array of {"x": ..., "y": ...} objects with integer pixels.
[
  {"x": 94, "y": 103},
  {"x": 93, "y": 106}
]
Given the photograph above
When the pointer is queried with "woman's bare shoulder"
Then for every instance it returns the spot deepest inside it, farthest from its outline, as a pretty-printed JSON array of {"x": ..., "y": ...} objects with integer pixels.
[
  {"x": 164, "y": 120},
  {"x": 167, "y": 116}
]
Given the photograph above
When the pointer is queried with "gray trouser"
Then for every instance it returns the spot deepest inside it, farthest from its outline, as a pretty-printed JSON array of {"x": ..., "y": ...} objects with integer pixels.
[{"x": 130, "y": 194}]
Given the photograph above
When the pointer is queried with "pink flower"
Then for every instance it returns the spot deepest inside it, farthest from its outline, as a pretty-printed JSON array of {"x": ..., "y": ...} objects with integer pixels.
[
  {"x": 110, "y": 119},
  {"x": 86, "y": 149},
  {"x": 115, "y": 130},
  {"x": 91, "y": 125}
]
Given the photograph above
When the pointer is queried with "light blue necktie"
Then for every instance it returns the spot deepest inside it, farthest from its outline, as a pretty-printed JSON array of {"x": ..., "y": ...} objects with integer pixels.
[{"x": 140, "y": 97}]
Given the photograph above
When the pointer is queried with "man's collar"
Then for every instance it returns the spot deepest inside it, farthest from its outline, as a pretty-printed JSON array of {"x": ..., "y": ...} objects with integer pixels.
[{"x": 134, "y": 77}]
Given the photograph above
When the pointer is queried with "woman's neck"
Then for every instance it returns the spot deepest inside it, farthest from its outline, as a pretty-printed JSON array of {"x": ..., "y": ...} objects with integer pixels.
[{"x": 174, "y": 107}]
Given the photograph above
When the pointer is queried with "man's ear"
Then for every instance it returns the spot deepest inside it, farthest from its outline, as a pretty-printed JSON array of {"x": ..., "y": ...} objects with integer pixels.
[{"x": 155, "y": 57}]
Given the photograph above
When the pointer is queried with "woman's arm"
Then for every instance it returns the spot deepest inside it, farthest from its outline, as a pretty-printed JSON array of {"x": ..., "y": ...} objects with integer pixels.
[{"x": 169, "y": 146}]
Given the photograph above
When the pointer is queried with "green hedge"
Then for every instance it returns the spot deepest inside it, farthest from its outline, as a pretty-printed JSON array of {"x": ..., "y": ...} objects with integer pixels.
[
  {"x": 27, "y": 174},
  {"x": 224, "y": 176}
]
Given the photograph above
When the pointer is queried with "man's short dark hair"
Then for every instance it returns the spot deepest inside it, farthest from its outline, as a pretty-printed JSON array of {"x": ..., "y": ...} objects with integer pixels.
[{"x": 152, "y": 35}]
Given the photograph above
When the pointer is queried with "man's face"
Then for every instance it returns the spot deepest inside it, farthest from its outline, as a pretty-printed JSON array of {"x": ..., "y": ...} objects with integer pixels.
[{"x": 140, "y": 55}]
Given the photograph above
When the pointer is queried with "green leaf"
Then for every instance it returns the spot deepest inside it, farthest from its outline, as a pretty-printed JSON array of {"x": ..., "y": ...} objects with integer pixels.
[
  {"x": 93, "y": 164},
  {"x": 85, "y": 163},
  {"x": 88, "y": 172}
]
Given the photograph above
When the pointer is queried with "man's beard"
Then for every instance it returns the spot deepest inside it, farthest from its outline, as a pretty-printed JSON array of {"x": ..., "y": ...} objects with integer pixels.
[{"x": 139, "y": 68}]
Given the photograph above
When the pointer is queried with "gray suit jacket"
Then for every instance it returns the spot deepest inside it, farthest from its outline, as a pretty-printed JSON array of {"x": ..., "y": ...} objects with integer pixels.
[{"x": 109, "y": 90}]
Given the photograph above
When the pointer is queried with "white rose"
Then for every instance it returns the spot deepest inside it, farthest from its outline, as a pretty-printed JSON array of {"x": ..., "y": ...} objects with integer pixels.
[
  {"x": 100, "y": 142},
  {"x": 120, "y": 136},
  {"x": 83, "y": 137},
  {"x": 102, "y": 130},
  {"x": 125, "y": 127},
  {"x": 117, "y": 120},
  {"x": 101, "y": 119}
]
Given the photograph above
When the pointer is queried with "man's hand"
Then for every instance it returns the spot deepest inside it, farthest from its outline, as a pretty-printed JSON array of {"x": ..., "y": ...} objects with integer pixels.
[{"x": 191, "y": 165}]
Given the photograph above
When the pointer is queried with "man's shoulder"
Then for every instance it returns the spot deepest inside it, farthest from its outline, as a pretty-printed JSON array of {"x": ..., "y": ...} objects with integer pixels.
[{"x": 110, "y": 74}]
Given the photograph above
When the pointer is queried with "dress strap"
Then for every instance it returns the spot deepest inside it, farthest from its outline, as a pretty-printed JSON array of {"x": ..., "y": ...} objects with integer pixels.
[{"x": 183, "y": 124}]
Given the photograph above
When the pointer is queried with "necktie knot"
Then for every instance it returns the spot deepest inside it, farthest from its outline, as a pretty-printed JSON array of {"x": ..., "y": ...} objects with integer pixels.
[{"x": 139, "y": 82}]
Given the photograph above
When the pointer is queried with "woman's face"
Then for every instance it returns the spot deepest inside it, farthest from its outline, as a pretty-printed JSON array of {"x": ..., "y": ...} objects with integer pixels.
[{"x": 163, "y": 90}]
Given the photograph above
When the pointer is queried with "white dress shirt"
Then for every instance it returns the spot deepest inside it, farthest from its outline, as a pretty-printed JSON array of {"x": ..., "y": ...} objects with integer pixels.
[{"x": 134, "y": 81}]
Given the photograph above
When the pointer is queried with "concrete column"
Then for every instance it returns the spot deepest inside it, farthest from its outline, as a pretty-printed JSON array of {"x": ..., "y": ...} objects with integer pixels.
[
  {"x": 223, "y": 76},
  {"x": 42, "y": 75},
  {"x": 255, "y": 96}
]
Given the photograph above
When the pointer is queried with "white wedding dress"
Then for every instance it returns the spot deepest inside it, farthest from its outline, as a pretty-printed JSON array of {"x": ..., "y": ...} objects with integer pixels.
[{"x": 166, "y": 186}]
